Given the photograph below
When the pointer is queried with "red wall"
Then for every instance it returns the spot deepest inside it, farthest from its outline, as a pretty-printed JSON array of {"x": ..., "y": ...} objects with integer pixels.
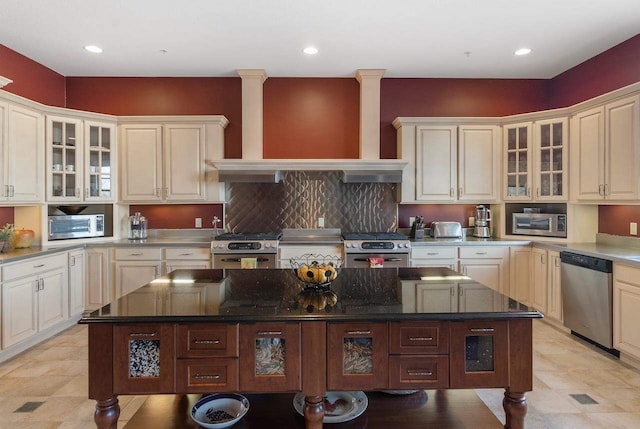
[
  {"x": 311, "y": 118},
  {"x": 455, "y": 97},
  {"x": 163, "y": 96},
  {"x": 31, "y": 80},
  {"x": 610, "y": 70},
  {"x": 615, "y": 219},
  {"x": 178, "y": 216},
  {"x": 6, "y": 216},
  {"x": 436, "y": 212}
]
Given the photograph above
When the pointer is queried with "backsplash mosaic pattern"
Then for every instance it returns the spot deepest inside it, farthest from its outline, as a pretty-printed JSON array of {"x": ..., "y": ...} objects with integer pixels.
[{"x": 304, "y": 196}]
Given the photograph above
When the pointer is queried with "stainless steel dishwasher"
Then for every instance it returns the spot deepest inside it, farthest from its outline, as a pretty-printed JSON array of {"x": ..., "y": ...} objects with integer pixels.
[{"x": 587, "y": 297}]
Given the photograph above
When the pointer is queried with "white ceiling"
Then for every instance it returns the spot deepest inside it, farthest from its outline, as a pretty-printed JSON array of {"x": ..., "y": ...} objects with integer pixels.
[{"x": 408, "y": 38}]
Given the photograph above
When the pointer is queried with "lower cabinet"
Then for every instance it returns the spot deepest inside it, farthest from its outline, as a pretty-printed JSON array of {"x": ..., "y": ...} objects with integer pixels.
[
  {"x": 520, "y": 274},
  {"x": 135, "y": 267},
  {"x": 187, "y": 258},
  {"x": 435, "y": 256},
  {"x": 34, "y": 297},
  {"x": 539, "y": 279},
  {"x": 98, "y": 288},
  {"x": 76, "y": 282},
  {"x": 554, "y": 289},
  {"x": 487, "y": 265},
  {"x": 626, "y": 309}
]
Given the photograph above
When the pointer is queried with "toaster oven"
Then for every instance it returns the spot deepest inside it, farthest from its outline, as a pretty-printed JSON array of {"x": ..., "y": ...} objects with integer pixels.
[
  {"x": 544, "y": 224},
  {"x": 76, "y": 226}
]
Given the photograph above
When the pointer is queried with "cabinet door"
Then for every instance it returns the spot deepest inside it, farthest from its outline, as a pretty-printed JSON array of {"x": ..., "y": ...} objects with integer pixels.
[
  {"x": 436, "y": 298},
  {"x": 554, "y": 294},
  {"x": 626, "y": 309},
  {"x": 131, "y": 275},
  {"x": 517, "y": 167},
  {"x": 4, "y": 141},
  {"x": 171, "y": 265},
  {"x": 25, "y": 156},
  {"x": 53, "y": 298},
  {"x": 19, "y": 310},
  {"x": 99, "y": 160},
  {"x": 474, "y": 297},
  {"x": 357, "y": 356},
  {"x": 141, "y": 163},
  {"x": 479, "y": 163},
  {"x": 270, "y": 357},
  {"x": 98, "y": 291},
  {"x": 186, "y": 300},
  {"x": 539, "y": 276},
  {"x": 551, "y": 159},
  {"x": 184, "y": 167},
  {"x": 587, "y": 156},
  {"x": 76, "y": 282},
  {"x": 479, "y": 354},
  {"x": 144, "y": 359},
  {"x": 520, "y": 274},
  {"x": 622, "y": 152},
  {"x": 436, "y": 163},
  {"x": 489, "y": 272},
  {"x": 64, "y": 159}
]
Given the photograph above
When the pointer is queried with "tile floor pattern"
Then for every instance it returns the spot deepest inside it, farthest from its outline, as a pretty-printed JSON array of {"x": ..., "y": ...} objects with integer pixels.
[{"x": 54, "y": 374}]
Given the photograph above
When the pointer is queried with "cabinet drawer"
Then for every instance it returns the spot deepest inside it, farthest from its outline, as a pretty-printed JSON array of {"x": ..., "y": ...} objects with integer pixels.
[
  {"x": 419, "y": 338},
  {"x": 208, "y": 340},
  {"x": 434, "y": 252},
  {"x": 138, "y": 253},
  {"x": 470, "y": 252},
  {"x": 627, "y": 274},
  {"x": 418, "y": 372},
  {"x": 33, "y": 266},
  {"x": 188, "y": 253},
  {"x": 207, "y": 375}
]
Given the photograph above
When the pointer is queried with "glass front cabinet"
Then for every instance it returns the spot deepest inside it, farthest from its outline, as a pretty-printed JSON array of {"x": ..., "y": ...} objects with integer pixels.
[
  {"x": 99, "y": 158},
  {"x": 64, "y": 159},
  {"x": 551, "y": 161},
  {"x": 517, "y": 139}
]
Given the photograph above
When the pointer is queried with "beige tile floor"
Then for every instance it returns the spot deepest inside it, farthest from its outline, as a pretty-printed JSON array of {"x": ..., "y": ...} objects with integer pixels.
[{"x": 54, "y": 373}]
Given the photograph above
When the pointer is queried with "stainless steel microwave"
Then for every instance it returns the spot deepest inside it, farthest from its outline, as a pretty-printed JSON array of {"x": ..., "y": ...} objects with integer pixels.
[
  {"x": 76, "y": 226},
  {"x": 545, "y": 224}
]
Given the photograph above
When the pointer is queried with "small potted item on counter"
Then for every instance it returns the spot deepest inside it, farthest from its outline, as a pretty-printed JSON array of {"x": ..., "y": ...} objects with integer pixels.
[
  {"x": 23, "y": 238},
  {"x": 6, "y": 238}
]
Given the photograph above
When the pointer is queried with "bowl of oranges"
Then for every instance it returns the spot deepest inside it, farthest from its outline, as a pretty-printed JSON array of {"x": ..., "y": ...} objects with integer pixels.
[{"x": 316, "y": 270}]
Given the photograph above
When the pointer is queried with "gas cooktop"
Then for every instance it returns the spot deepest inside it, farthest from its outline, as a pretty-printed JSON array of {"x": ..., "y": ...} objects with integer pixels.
[
  {"x": 247, "y": 236},
  {"x": 374, "y": 236}
]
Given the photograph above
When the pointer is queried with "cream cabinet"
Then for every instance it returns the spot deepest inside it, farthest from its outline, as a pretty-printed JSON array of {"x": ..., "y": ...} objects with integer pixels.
[
  {"x": 187, "y": 258},
  {"x": 554, "y": 289},
  {"x": 134, "y": 267},
  {"x": 165, "y": 160},
  {"x": 64, "y": 159},
  {"x": 98, "y": 291},
  {"x": 431, "y": 296},
  {"x": 99, "y": 161},
  {"x": 539, "y": 278},
  {"x": 488, "y": 265},
  {"x": 457, "y": 163},
  {"x": 520, "y": 274},
  {"x": 435, "y": 256},
  {"x": 76, "y": 282},
  {"x": 34, "y": 297},
  {"x": 518, "y": 143},
  {"x": 22, "y": 176},
  {"x": 605, "y": 152},
  {"x": 626, "y": 309},
  {"x": 551, "y": 159}
]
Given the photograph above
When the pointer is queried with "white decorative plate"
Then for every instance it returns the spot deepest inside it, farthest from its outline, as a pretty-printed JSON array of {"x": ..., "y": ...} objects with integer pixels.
[{"x": 339, "y": 406}]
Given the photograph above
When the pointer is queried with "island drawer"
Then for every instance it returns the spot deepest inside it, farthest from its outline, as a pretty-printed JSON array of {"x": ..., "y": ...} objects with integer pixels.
[
  {"x": 418, "y": 372},
  {"x": 138, "y": 253},
  {"x": 207, "y": 376},
  {"x": 418, "y": 338},
  {"x": 482, "y": 252},
  {"x": 187, "y": 253},
  {"x": 208, "y": 340}
]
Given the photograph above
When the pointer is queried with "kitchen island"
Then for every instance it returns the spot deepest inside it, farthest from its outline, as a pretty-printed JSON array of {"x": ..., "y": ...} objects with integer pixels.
[{"x": 261, "y": 331}]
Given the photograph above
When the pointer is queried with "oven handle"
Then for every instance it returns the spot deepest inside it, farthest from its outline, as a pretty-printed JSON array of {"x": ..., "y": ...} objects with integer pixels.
[
  {"x": 385, "y": 259},
  {"x": 239, "y": 259}
]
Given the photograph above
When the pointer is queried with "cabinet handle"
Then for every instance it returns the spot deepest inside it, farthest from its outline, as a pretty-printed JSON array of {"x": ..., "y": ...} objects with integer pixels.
[
  {"x": 420, "y": 338},
  {"x": 6, "y": 190},
  {"x": 38, "y": 266},
  {"x": 451, "y": 192},
  {"x": 206, "y": 377},
  {"x": 537, "y": 192},
  {"x": 12, "y": 189},
  {"x": 135, "y": 254},
  {"x": 367, "y": 332},
  {"x": 606, "y": 192},
  {"x": 206, "y": 341},
  {"x": 37, "y": 285},
  {"x": 557, "y": 262},
  {"x": 143, "y": 334},
  {"x": 420, "y": 373},
  {"x": 73, "y": 261},
  {"x": 86, "y": 192},
  {"x": 459, "y": 191},
  {"x": 482, "y": 330},
  {"x": 269, "y": 332},
  {"x": 186, "y": 254},
  {"x": 432, "y": 253},
  {"x": 528, "y": 191},
  {"x": 600, "y": 189},
  {"x": 481, "y": 253}
]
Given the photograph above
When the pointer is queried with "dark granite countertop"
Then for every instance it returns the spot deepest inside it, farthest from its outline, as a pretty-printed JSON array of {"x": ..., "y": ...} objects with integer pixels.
[{"x": 277, "y": 295}]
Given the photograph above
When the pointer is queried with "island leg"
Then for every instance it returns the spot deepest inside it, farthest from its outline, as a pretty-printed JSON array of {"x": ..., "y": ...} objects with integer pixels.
[
  {"x": 515, "y": 408},
  {"x": 107, "y": 413},
  {"x": 313, "y": 412}
]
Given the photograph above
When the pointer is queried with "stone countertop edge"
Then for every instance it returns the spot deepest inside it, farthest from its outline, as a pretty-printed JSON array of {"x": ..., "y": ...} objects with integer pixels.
[{"x": 468, "y": 241}]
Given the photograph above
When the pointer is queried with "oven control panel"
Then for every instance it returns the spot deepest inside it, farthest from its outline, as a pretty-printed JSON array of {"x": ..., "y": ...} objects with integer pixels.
[
  {"x": 386, "y": 246},
  {"x": 263, "y": 246}
]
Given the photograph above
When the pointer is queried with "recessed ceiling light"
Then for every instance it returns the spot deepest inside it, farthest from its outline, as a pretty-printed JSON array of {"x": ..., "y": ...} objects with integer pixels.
[
  {"x": 93, "y": 48},
  {"x": 522, "y": 51},
  {"x": 310, "y": 50}
]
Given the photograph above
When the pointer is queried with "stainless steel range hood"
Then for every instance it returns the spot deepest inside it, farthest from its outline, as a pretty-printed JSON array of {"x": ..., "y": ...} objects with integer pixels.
[{"x": 270, "y": 170}]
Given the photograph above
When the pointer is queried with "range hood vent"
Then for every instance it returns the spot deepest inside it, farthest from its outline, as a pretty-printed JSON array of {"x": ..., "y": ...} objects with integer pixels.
[{"x": 270, "y": 171}]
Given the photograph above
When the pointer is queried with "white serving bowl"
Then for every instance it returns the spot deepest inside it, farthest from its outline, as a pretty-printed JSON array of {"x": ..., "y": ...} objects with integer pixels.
[{"x": 220, "y": 410}]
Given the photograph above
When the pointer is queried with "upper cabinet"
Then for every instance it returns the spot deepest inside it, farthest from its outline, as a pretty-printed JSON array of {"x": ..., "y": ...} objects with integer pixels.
[
  {"x": 535, "y": 164},
  {"x": 79, "y": 155},
  {"x": 605, "y": 152},
  {"x": 452, "y": 163},
  {"x": 166, "y": 160},
  {"x": 21, "y": 135}
]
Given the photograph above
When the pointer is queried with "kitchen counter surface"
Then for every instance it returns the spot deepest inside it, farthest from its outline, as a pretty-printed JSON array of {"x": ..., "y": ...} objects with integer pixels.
[
  {"x": 599, "y": 250},
  {"x": 469, "y": 241}
]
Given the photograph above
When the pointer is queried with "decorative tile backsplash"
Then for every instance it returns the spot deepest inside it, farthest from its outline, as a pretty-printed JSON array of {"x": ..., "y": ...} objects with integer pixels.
[{"x": 304, "y": 196}]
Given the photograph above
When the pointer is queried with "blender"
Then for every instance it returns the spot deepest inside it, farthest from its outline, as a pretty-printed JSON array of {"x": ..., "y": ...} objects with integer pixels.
[{"x": 483, "y": 217}]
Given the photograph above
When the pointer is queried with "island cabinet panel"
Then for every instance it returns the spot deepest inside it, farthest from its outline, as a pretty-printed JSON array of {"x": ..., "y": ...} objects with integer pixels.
[
  {"x": 270, "y": 357},
  {"x": 419, "y": 338},
  {"x": 418, "y": 372},
  {"x": 207, "y": 375},
  {"x": 208, "y": 340},
  {"x": 479, "y": 354},
  {"x": 144, "y": 359},
  {"x": 357, "y": 356}
]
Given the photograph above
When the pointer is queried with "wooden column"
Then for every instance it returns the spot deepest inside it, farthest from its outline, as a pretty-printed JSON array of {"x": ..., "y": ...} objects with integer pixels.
[
  {"x": 252, "y": 112},
  {"x": 369, "y": 112},
  {"x": 314, "y": 372}
]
